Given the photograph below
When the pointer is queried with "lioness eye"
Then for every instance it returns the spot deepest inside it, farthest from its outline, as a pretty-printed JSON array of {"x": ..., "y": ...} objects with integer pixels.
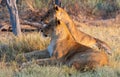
[
  {"x": 41, "y": 30},
  {"x": 48, "y": 12}
]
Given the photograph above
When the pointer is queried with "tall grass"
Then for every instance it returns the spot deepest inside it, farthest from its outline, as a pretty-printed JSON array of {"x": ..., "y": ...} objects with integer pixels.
[{"x": 13, "y": 46}]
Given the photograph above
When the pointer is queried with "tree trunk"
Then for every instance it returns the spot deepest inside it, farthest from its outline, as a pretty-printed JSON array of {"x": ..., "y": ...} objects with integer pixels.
[
  {"x": 58, "y": 2},
  {"x": 14, "y": 18}
]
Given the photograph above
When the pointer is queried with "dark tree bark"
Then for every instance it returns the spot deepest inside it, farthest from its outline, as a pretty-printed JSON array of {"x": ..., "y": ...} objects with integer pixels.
[
  {"x": 58, "y": 2},
  {"x": 3, "y": 3},
  {"x": 14, "y": 18}
]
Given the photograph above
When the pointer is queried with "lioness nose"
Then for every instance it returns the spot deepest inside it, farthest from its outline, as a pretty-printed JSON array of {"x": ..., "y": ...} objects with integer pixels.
[
  {"x": 40, "y": 29},
  {"x": 45, "y": 35}
]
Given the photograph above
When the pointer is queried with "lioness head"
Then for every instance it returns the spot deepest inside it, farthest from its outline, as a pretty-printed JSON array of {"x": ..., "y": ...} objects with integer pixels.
[
  {"x": 49, "y": 28},
  {"x": 50, "y": 14}
]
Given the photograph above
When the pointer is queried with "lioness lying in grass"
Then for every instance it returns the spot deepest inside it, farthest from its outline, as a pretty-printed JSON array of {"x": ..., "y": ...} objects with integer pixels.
[{"x": 65, "y": 50}]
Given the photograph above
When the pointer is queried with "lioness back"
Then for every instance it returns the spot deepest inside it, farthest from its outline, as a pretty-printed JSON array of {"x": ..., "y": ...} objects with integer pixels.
[{"x": 79, "y": 36}]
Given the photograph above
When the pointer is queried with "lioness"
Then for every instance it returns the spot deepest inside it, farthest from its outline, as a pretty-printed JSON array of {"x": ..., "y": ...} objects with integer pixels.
[
  {"x": 79, "y": 36},
  {"x": 64, "y": 49}
]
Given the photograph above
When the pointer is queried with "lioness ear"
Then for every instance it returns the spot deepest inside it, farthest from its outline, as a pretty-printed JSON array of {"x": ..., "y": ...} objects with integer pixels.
[
  {"x": 58, "y": 22},
  {"x": 56, "y": 7}
]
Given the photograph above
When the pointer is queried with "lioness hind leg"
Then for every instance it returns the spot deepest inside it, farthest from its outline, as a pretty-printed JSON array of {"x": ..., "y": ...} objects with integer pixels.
[{"x": 88, "y": 60}]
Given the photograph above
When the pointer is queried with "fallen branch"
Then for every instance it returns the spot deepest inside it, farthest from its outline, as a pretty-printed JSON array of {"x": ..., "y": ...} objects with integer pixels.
[
  {"x": 33, "y": 24},
  {"x": 4, "y": 26}
]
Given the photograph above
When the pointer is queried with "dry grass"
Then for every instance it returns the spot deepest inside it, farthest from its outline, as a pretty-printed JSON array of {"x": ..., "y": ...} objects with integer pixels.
[{"x": 13, "y": 46}]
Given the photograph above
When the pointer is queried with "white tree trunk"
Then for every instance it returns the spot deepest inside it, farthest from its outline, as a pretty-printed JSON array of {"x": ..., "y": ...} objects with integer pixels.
[
  {"x": 58, "y": 2},
  {"x": 14, "y": 18}
]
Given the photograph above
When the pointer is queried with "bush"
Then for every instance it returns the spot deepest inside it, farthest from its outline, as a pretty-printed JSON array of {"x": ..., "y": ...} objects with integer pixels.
[{"x": 98, "y": 8}]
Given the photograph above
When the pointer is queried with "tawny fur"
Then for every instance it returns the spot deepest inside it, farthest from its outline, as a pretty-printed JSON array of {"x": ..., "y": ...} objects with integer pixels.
[
  {"x": 67, "y": 51},
  {"x": 78, "y": 35},
  {"x": 89, "y": 59}
]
